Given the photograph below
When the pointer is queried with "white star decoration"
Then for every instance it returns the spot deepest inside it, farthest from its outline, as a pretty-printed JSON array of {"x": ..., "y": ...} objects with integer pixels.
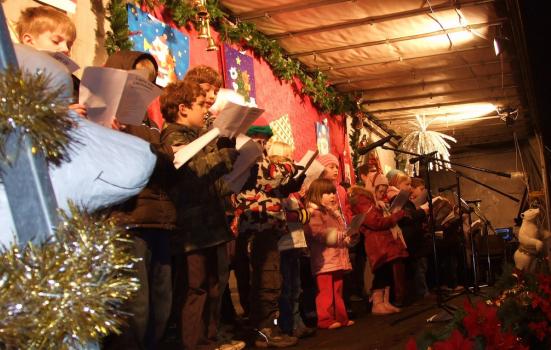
[{"x": 423, "y": 141}]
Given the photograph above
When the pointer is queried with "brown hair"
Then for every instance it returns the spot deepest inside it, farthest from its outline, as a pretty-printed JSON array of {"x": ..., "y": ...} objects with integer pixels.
[
  {"x": 317, "y": 189},
  {"x": 37, "y": 20},
  {"x": 178, "y": 93},
  {"x": 204, "y": 74},
  {"x": 416, "y": 182},
  {"x": 364, "y": 169}
]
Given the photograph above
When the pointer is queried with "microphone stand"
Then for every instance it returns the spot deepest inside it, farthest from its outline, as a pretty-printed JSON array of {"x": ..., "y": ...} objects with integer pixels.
[
  {"x": 448, "y": 310},
  {"x": 426, "y": 159}
]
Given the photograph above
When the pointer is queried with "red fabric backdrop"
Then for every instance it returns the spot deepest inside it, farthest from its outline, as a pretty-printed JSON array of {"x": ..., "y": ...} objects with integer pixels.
[{"x": 276, "y": 97}]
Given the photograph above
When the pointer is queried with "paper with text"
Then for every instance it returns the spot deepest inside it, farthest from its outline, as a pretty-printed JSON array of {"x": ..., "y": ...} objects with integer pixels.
[
  {"x": 110, "y": 92},
  {"x": 235, "y": 119},
  {"x": 249, "y": 152},
  {"x": 306, "y": 162}
]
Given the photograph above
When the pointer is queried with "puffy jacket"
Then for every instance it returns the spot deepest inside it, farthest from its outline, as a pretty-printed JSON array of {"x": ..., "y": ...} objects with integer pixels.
[
  {"x": 380, "y": 245},
  {"x": 258, "y": 206},
  {"x": 198, "y": 189},
  {"x": 325, "y": 257},
  {"x": 152, "y": 207}
]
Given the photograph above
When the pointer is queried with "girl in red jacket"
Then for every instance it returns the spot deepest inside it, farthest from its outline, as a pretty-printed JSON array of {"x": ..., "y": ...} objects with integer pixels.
[
  {"x": 383, "y": 243},
  {"x": 328, "y": 240}
]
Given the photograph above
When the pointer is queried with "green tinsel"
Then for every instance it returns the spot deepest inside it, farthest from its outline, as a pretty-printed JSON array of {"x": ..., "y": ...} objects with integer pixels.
[
  {"x": 117, "y": 38},
  {"x": 29, "y": 104}
]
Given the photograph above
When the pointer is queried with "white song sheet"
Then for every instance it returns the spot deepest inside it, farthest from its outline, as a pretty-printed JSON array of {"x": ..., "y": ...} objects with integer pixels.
[
  {"x": 108, "y": 93},
  {"x": 249, "y": 152},
  {"x": 235, "y": 119}
]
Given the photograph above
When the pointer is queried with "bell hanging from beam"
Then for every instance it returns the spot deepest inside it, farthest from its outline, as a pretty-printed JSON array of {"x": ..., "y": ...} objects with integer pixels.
[
  {"x": 203, "y": 30},
  {"x": 202, "y": 11},
  {"x": 211, "y": 44}
]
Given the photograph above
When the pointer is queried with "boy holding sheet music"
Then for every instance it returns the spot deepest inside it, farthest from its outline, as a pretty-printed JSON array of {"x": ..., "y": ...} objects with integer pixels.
[{"x": 201, "y": 217}]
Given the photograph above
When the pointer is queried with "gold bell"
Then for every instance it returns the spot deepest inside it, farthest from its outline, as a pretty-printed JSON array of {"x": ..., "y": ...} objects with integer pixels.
[
  {"x": 202, "y": 11},
  {"x": 203, "y": 30},
  {"x": 211, "y": 44}
]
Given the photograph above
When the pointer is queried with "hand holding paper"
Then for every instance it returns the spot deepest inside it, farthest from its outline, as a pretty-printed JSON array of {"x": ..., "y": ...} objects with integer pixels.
[
  {"x": 110, "y": 92},
  {"x": 249, "y": 152},
  {"x": 399, "y": 201}
]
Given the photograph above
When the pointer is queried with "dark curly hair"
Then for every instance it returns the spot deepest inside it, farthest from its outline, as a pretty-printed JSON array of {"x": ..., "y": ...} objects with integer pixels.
[{"x": 182, "y": 92}]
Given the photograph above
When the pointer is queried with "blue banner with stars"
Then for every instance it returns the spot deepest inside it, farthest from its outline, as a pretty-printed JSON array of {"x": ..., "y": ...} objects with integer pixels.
[{"x": 168, "y": 45}]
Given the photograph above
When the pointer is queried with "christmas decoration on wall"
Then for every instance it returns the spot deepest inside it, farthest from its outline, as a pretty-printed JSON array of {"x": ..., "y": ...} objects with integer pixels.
[
  {"x": 281, "y": 127},
  {"x": 27, "y": 102},
  {"x": 169, "y": 46},
  {"x": 424, "y": 141},
  {"x": 66, "y": 292},
  {"x": 239, "y": 74},
  {"x": 322, "y": 137}
]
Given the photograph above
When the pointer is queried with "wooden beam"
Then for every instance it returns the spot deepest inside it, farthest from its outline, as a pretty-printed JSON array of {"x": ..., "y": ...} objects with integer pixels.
[
  {"x": 437, "y": 105},
  {"x": 432, "y": 95},
  {"x": 494, "y": 23},
  {"x": 424, "y": 84},
  {"x": 414, "y": 72},
  {"x": 276, "y": 10},
  {"x": 398, "y": 59},
  {"x": 379, "y": 19}
]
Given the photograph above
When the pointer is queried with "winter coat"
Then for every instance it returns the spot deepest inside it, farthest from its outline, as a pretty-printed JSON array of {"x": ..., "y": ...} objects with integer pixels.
[
  {"x": 344, "y": 203},
  {"x": 198, "y": 189},
  {"x": 412, "y": 229},
  {"x": 380, "y": 245},
  {"x": 324, "y": 256},
  {"x": 152, "y": 207},
  {"x": 297, "y": 216},
  {"x": 258, "y": 206}
]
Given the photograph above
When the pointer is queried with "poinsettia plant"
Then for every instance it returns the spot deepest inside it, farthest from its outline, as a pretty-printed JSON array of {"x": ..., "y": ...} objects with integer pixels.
[{"x": 516, "y": 317}]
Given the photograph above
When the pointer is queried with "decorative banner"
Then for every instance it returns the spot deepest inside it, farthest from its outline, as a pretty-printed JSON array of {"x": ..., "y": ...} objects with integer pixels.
[
  {"x": 69, "y": 6},
  {"x": 322, "y": 132},
  {"x": 169, "y": 46},
  {"x": 282, "y": 130},
  {"x": 239, "y": 74}
]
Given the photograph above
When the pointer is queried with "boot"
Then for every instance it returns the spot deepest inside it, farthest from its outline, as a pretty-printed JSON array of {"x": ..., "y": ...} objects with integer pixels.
[
  {"x": 386, "y": 300},
  {"x": 378, "y": 306},
  {"x": 399, "y": 274}
]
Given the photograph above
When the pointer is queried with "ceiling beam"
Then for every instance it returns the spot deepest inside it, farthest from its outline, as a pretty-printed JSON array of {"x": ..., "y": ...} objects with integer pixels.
[
  {"x": 496, "y": 22},
  {"x": 276, "y": 10},
  {"x": 379, "y": 19},
  {"x": 436, "y": 82},
  {"x": 387, "y": 60},
  {"x": 415, "y": 72},
  {"x": 441, "y": 94},
  {"x": 438, "y": 105},
  {"x": 406, "y": 118}
]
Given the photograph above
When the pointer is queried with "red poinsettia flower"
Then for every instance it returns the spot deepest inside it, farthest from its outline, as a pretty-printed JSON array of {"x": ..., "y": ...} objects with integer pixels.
[
  {"x": 540, "y": 329},
  {"x": 481, "y": 320},
  {"x": 455, "y": 342},
  {"x": 411, "y": 344}
]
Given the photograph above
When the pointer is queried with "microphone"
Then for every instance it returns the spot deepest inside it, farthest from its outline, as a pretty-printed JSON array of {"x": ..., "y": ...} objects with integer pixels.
[
  {"x": 446, "y": 188},
  {"x": 374, "y": 145},
  {"x": 416, "y": 159}
]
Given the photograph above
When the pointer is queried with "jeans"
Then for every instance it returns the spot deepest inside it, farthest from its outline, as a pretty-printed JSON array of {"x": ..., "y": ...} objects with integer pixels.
[{"x": 289, "y": 313}]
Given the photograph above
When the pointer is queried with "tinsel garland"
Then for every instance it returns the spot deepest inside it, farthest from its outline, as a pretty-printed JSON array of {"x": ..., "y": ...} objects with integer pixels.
[
  {"x": 30, "y": 104},
  {"x": 66, "y": 292}
]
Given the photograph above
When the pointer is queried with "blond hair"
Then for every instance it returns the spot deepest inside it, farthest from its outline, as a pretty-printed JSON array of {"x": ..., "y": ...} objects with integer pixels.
[
  {"x": 397, "y": 177},
  {"x": 37, "y": 20},
  {"x": 279, "y": 151}
]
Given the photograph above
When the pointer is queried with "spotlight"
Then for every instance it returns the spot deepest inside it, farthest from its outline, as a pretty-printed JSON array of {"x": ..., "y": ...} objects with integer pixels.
[{"x": 499, "y": 44}]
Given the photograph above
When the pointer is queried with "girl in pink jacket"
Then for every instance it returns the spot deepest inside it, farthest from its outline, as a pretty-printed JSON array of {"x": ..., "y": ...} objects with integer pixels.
[{"x": 328, "y": 240}]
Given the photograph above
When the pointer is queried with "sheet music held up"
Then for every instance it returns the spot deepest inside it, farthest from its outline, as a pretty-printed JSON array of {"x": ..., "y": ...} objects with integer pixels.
[{"x": 235, "y": 119}]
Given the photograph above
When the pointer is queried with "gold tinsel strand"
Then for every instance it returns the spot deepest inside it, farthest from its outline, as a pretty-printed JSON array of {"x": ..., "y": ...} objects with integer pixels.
[
  {"x": 67, "y": 292},
  {"x": 30, "y": 104}
]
